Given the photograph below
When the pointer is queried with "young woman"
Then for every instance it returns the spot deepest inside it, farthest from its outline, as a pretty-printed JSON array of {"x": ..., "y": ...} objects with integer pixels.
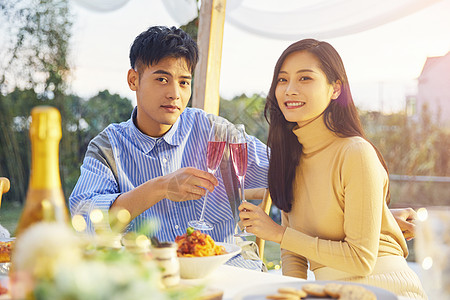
[{"x": 330, "y": 182}]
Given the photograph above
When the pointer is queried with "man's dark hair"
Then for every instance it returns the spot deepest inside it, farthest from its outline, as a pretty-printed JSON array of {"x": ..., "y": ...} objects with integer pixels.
[{"x": 159, "y": 42}]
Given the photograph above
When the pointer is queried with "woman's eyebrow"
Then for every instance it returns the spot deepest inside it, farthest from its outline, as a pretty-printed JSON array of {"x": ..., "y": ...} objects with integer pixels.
[{"x": 299, "y": 71}]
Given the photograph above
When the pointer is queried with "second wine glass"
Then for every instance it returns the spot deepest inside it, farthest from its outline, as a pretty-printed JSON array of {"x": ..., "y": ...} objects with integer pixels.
[
  {"x": 217, "y": 141},
  {"x": 239, "y": 157}
]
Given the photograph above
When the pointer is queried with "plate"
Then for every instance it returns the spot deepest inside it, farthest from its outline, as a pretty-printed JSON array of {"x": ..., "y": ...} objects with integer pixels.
[
  {"x": 7, "y": 239},
  {"x": 199, "y": 267},
  {"x": 261, "y": 291}
]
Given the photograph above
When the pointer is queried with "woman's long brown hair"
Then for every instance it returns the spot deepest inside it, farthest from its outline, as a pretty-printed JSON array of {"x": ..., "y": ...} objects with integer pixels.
[{"x": 340, "y": 117}]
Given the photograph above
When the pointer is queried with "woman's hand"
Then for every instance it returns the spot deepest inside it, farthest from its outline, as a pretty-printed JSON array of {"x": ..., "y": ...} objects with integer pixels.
[
  {"x": 405, "y": 218},
  {"x": 259, "y": 223}
]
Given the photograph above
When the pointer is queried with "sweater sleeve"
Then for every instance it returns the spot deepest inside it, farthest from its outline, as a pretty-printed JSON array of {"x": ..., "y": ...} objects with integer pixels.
[
  {"x": 363, "y": 179},
  {"x": 292, "y": 264}
]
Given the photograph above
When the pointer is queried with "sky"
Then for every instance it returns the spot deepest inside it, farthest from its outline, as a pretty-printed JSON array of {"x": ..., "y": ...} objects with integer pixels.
[{"x": 382, "y": 63}]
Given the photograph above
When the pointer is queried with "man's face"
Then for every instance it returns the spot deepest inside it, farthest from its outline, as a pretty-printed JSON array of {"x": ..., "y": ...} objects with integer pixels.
[{"x": 162, "y": 91}]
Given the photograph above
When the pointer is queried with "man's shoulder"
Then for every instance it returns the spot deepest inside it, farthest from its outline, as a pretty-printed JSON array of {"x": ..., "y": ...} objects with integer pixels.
[
  {"x": 194, "y": 118},
  {"x": 193, "y": 113},
  {"x": 110, "y": 132}
]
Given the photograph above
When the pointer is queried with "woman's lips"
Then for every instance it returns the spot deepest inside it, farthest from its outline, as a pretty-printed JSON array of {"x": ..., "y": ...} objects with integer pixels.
[{"x": 293, "y": 104}]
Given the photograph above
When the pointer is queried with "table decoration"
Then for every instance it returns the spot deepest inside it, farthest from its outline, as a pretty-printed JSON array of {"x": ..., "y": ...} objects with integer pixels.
[{"x": 52, "y": 261}]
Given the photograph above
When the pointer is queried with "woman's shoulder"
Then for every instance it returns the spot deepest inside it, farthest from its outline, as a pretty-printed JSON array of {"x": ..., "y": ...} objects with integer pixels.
[
  {"x": 353, "y": 141},
  {"x": 356, "y": 144}
]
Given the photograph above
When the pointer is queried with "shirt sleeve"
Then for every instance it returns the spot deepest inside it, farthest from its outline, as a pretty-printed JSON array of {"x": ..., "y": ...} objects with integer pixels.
[
  {"x": 293, "y": 264},
  {"x": 363, "y": 179},
  {"x": 96, "y": 189},
  {"x": 258, "y": 164}
]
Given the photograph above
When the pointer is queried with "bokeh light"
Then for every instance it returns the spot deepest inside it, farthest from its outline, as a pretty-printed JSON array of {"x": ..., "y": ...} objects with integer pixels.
[
  {"x": 427, "y": 263},
  {"x": 78, "y": 223},
  {"x": 123, "y": 216},
  {"x": 422, "y": 214},
  {"x": 96, "y": 216},
  {"x": 142, "y": 241}
]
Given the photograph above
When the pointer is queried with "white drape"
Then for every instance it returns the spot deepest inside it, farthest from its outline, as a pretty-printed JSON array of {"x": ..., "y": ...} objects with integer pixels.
[
  {"x": 320, "y": 19},
  {"x": 182, "y": 11},
  {"x": 293, "y": 19},
  {"x": 102, "y": 5}
]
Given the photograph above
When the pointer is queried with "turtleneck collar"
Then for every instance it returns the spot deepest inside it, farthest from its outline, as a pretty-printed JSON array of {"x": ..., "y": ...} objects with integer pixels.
[{"x": 314, "y": 136}]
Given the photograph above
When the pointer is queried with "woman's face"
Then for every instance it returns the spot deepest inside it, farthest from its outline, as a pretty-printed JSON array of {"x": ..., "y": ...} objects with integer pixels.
[{"x": 303, "y": 91}]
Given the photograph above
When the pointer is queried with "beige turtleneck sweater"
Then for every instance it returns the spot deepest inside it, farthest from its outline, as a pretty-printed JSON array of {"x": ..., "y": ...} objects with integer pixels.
[{"x": 339, "y": 216}]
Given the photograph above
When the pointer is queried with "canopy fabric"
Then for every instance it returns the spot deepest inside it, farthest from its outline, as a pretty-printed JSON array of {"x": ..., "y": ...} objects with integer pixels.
[
  {"x": 321, "y": 19},
  {"x": 102, "y": 5},
  {"x": 292, "y": 19}
]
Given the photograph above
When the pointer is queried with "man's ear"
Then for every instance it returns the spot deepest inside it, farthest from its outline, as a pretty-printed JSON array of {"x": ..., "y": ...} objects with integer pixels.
[
  {"x": 133, "y": 79},
  {"x": 336, "y": 89}
]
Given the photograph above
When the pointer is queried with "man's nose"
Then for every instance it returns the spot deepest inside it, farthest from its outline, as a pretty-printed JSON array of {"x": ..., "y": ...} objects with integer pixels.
[{"x": 173, "y": 92}]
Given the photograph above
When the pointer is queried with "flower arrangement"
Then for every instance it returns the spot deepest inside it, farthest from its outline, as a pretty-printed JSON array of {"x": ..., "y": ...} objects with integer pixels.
[{"x": 53, "y": 261}]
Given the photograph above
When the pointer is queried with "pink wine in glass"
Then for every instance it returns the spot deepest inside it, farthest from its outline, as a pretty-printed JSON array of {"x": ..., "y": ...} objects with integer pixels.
[
  {"x": 214, "y": 154},
  {"x": 239, "y": 158}
]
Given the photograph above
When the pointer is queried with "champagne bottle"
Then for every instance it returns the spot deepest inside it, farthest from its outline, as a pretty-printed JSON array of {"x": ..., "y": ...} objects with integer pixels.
[{"x": 45, "y": 199}]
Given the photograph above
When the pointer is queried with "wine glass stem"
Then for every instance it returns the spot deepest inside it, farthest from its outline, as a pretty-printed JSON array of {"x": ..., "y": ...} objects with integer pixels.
[
  {"x": 202, "y": 215},
  {"x": 241, "y": 179}
]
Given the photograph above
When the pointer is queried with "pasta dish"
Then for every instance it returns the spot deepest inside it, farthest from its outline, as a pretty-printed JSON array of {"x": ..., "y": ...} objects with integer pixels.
[
  {"x": 5, "y": 251},
  {"x": 195, "y": 243}
]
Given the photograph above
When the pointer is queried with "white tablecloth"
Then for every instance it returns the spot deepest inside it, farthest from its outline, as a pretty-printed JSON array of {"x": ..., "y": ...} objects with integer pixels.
[{"x": 235, "y": 281}]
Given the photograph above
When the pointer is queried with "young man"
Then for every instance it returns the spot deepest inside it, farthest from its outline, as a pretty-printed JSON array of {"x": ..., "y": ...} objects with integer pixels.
[{"x": 152, "y": 165}]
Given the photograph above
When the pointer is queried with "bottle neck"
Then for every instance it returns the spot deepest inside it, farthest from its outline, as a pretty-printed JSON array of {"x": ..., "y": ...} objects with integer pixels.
[{"x": 45, "y": 164}]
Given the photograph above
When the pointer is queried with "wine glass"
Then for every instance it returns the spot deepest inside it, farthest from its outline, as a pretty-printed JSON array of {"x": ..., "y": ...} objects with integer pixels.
[
  {"x": 217, "y": 141},
  {"x": 239, "y": 154}
]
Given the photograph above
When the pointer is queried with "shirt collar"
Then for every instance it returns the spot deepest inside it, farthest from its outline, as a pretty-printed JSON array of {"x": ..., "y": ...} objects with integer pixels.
[{"x": 147, "y": 143}]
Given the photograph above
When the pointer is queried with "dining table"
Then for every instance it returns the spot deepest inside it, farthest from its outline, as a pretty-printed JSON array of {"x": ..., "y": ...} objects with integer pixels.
[
  {"x": 234, "y": 283},
  {"x": 231, "y": 283}
]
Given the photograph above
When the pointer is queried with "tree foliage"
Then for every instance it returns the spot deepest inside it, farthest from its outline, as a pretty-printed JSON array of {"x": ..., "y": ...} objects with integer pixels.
[
  {"x": 36, "y": 54},
  {"x": 248, "y": 111},
  {"x": 414, "y": 148},
  {"x": 410, "y": 147},
  {"x": 82, "y": 120}
]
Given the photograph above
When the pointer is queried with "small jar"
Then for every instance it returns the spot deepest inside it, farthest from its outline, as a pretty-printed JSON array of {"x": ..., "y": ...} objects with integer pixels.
[{"x": 165, "y": 255}]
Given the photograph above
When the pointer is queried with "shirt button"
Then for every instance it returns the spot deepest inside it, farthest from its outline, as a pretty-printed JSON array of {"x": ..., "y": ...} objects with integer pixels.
[
  {"x": 176, "y": 226},
  {"x": 164, "y": 160}
]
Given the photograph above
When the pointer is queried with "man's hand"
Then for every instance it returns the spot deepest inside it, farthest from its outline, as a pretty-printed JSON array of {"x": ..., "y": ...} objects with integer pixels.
[
  {"x": 405, "y": 218},
  {"x": 189, "y": 184}
]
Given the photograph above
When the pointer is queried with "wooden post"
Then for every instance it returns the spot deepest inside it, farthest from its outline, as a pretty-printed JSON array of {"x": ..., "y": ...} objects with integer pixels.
[{"x": 207, "y": 72}]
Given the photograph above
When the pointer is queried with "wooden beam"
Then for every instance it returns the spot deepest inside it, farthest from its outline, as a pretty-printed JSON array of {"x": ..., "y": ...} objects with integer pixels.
[{"x": 207, "y": 72}]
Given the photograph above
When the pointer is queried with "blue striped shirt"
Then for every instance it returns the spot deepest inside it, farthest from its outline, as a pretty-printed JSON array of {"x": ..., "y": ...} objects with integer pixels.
[{"x": 121, "y": 158}]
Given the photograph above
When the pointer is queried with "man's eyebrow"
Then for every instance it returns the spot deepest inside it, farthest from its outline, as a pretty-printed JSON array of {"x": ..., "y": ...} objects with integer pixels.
[
  {"x": 169, "y": 74},
  {"x": 162, "y": 72}
]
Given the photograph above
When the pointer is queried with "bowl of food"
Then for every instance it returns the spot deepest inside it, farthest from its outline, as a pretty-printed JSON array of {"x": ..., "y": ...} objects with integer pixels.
[
  {"x": 199, "y": 255},
  {"x": 6, "y": 247}
]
